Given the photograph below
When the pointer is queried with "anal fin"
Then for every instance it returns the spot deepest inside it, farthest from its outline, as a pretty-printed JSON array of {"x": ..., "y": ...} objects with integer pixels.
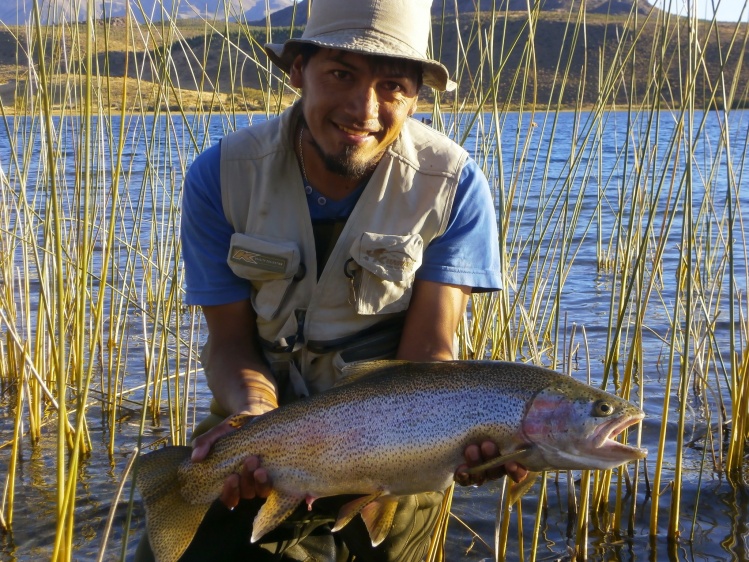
[
  {"x": 276, "y": 508},
  {"x": 378, "y": 516},
  {"x": 352, "y": 509}
]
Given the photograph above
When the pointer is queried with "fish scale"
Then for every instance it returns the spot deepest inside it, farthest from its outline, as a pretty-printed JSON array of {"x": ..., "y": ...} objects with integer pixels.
[{"x": 390, "y": 429}]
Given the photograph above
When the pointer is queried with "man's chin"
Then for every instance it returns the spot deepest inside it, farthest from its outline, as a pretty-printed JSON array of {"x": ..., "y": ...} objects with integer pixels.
[{"x": 350, "y": 165}]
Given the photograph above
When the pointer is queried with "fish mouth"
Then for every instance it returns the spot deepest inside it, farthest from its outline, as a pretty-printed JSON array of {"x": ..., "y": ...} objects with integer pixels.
[{"x": 604, "y": 439}]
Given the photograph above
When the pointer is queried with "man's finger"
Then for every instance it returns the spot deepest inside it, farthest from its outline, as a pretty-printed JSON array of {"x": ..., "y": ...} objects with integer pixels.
[
  {"x": 230, "y": 491},
  {"x": 489, "y": 450},
  {"x": 201, "y": 446},
  {"x": 472, "y": 455},
  {"x": 516, "y": 471},
  {"x": 262, "y": 483},
  {"x": 253, "y": 479}
]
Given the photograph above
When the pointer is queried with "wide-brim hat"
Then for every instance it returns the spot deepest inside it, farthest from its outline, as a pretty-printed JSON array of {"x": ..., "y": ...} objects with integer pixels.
[{"x": 390, "y": 28}]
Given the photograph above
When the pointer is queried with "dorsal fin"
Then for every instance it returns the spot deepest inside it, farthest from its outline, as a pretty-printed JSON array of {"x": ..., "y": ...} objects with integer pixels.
[{"x": 362, "y": 369}]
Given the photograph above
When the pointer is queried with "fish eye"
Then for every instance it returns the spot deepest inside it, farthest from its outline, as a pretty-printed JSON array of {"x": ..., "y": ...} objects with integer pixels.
[{"x": 602, "y": 409}]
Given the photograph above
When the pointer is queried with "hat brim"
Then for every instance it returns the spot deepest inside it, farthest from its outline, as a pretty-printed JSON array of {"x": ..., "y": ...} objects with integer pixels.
[{"x": 435, "y": 74}]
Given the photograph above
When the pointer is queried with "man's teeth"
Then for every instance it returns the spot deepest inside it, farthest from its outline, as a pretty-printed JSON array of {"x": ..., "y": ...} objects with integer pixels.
[{"x": 353, "y": 131}]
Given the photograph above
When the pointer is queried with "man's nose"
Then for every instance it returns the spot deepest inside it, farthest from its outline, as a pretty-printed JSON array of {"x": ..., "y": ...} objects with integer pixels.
[{"x": 366, "y": 105}]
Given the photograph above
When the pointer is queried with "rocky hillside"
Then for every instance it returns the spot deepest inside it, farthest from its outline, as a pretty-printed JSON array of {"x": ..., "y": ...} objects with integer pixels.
[{"x": 298, "y": 13}]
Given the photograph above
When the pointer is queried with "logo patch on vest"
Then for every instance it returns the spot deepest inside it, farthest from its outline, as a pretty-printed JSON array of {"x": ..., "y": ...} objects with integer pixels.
[
  {"x": 390, "y": 259},
  {"x": 266, "y": 262}
]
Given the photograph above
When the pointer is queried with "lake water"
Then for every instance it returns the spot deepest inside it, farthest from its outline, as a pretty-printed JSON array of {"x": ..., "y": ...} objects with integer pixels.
[{"x": 590, "y": 171}]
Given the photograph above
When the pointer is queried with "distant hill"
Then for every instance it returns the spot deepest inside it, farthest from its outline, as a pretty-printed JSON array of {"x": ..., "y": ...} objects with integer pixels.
[
  {"x": 284, "y": 16},
  {"x": 613, "y": 59},
  {"x": 18, "y": 12}
]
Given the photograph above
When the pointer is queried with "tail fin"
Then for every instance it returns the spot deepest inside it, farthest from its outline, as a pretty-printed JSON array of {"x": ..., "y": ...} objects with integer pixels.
[{"x": 170, "y": 520}]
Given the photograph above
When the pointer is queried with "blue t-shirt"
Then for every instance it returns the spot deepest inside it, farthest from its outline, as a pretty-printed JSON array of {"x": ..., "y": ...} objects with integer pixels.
[{"x": 466, "y": 254}]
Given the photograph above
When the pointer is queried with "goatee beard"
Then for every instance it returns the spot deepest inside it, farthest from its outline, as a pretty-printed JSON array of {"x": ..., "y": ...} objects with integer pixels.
[{"x": 346, "y": 163}]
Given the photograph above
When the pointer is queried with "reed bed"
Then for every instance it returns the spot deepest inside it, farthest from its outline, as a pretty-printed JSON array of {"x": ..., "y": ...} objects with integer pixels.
[{"x": 107, "y": 116}]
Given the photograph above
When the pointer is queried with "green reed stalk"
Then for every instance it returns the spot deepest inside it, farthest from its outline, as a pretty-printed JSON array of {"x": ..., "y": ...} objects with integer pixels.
[
  {"x": 59, "y": 352},
  {"x": 740, "y": 372},
  {"x": 108, "y": 264},
  {"x": 15, "y": 449},
  {"x": 81, "y": 375},
  {"x": 685, "y": 361},
  {"x": 740, "y": 425}
]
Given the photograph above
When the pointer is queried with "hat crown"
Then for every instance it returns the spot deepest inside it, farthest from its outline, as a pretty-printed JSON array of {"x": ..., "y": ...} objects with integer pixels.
[
  {"x": 390, "y": 28},
  {"x": 406, "y": 21}
]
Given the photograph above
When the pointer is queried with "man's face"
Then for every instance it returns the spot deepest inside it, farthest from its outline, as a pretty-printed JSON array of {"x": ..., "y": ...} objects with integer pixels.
[{"x": 354, "y": 106}]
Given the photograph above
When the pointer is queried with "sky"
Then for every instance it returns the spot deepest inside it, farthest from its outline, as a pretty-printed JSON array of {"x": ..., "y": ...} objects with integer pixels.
[{"x": 727, "y": 10}]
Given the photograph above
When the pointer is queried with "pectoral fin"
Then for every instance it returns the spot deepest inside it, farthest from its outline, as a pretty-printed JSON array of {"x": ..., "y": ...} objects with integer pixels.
[
  {"x": 517, "y": 490},
  {"x": 276, "y": 508},
  {"x": 378, "y": 516},
  {"x": 352, "y": 509},
  {"x": 498, "y": 461}
]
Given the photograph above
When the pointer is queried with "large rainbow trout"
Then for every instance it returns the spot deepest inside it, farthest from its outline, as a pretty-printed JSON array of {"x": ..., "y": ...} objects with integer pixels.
[{"x": 397, "y": 428}]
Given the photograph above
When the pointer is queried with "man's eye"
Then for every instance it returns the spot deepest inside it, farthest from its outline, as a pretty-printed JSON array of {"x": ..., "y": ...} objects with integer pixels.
[
  {"x": 341, "y": 74},
  {"x": 392, "y": 86}
]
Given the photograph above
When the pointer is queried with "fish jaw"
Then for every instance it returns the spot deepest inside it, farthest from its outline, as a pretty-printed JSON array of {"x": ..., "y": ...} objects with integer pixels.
[
  {"x": 573, "y": 427},
  {"x": 604, "y": 439}
]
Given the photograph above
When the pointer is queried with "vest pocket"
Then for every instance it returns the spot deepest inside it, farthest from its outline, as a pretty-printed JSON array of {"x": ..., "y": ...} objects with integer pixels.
[
  {"x": 383, "y": 271},
  {"x": 271, "y": 266}
]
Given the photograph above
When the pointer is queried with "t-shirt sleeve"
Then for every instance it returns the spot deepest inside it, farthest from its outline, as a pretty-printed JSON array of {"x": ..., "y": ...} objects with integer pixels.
[
  {"x": 467, "y": 253},
  {"x": 206, "y": 235}
]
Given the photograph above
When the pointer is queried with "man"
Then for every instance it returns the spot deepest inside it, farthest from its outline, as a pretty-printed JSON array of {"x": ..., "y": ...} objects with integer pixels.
[{"x": 343, "y": 230}]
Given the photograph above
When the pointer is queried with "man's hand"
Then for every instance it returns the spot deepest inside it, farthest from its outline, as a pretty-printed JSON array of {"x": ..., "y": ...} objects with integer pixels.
[
  {"x": 252, "y": 481},
  {"x": 476, "y": 455}
]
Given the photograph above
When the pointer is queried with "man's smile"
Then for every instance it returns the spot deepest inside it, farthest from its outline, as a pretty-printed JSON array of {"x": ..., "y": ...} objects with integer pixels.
[{"x": 361, "y": 133}]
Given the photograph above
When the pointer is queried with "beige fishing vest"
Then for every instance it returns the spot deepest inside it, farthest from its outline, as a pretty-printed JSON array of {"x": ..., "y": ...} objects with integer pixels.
[{"x": 311, "y": 328}]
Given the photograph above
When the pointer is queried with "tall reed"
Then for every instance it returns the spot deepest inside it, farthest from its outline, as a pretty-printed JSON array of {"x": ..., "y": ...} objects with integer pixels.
[{"x": 95, "y": 333}]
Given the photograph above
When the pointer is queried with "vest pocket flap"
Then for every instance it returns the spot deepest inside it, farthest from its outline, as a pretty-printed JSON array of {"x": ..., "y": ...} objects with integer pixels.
[
  {"x": 387, "y": 264},
  {"x": 389, "y": 257},
  {"x": 271, "y": 267},
  {"x": 258, "y": 259}
]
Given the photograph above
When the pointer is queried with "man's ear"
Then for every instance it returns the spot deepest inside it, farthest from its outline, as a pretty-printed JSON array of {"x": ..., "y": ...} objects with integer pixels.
[
  {"x": 295, "y": 72},
  {"x": 414, "y": 106}
]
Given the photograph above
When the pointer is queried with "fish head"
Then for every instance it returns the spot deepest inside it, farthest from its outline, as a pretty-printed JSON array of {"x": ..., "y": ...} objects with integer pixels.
[{"x": 574, "y": 426}]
